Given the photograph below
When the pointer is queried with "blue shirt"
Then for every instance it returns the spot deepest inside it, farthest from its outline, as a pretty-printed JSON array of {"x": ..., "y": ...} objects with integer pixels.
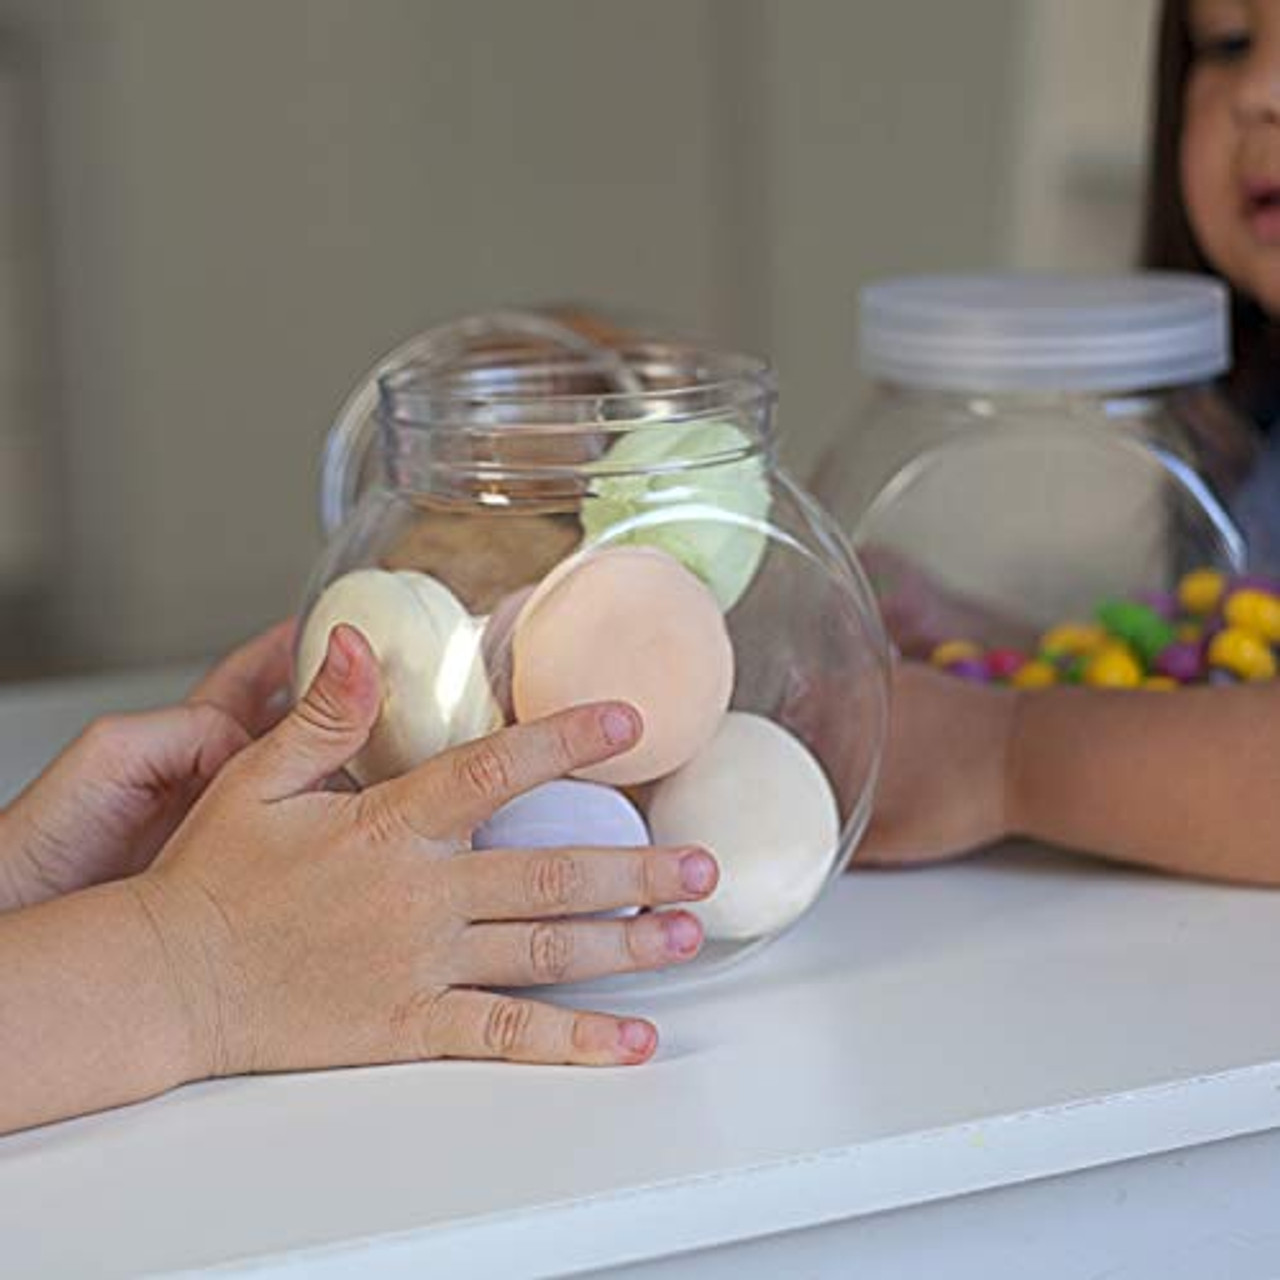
[{"x": 1257, "y": 507}]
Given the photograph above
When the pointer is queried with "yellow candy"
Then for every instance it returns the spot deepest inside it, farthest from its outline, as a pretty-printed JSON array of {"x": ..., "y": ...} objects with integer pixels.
[
  {"x": 1255, "y": 611},
  {"x": 1113, "y": 667},
  {"x": 1035, "y": 675},
  {"x": 1244, "y": 653},
  {"x": 950, "y": 651},
  {"x": 1159, "y": 683},
  {"x": 1201, "y": 590},
  {"x": 1073, "y": 639}
]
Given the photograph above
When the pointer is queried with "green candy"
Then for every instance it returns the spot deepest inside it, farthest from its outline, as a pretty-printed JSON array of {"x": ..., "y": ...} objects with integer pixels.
[
  {"x": 710, "y": 517},
  {"x": 1139, "y": 626},
  {"x": 1076, "y": 668}
]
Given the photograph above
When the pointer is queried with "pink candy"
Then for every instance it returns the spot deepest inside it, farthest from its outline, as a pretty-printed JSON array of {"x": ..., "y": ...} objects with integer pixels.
[{"x": 1003, "y": 664}]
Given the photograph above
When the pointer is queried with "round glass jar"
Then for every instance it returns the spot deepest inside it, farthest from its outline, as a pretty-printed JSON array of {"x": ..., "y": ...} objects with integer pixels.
[
  {"x": 548, "y": 522},
  {"x": 1035, "y": 445}
]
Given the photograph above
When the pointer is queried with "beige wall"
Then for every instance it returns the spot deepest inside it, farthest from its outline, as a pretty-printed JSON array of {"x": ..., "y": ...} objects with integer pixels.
[
  {"x": 250, "y": 200},
  {"x": 1081, "y": 141}
]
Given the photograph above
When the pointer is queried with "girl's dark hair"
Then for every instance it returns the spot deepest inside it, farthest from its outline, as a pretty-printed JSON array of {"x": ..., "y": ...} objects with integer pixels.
[{"x": 1169, "y": 243}]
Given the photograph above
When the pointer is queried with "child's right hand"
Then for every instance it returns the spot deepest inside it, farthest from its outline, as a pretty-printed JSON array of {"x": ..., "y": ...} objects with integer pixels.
[
  {"x": 944, "y": 787},
  {"x": 306, "y": 928}
]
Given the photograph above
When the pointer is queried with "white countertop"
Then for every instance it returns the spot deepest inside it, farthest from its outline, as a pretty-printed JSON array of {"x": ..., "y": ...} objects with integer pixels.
[{"x": 921, "y": 1035}]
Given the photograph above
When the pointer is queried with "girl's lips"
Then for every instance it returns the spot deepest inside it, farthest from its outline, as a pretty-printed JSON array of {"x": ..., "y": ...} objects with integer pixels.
[{"x": 1262, "y": 210}]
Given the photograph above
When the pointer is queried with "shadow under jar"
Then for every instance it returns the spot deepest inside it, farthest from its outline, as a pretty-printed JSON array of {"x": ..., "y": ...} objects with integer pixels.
[{"x": 550, "y": 525}]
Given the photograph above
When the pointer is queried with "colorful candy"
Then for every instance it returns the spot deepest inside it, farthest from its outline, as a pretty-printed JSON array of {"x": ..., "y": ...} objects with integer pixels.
[
  {"x": 1072, "y": 639},
  {"x": 1037, "y": 674},
  {"x": 1114, "y": 666},
  {"x": 1254, "y": 611},
  {"x": 1180, "y": 661},
  {"x": 1242, "y": 653},
  {"x": 950, "y": 652},
  {"x": 1213, "y": 630},
  {"x": 1004, "y": 664},
  {"x": 1140, "y": 626},
  {"x": 1200, "y": 592},
  {"x": 970, "y": 669}
]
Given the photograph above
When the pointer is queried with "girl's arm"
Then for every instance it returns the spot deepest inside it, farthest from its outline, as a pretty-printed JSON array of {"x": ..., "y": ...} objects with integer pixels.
[{"x": 1185, "y": 781}]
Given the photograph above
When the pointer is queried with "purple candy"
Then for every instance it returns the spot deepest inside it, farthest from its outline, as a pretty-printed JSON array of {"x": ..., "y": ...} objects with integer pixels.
[
  {"x": 970, "y": 669},
  {"x": 1218, "y": 676},
  {"x": 1211, "y": 628},
  {"x": 1165, "y": 603},
  {"x": 1181, "y": 661},
  {"x": 1256, "y": 582}
]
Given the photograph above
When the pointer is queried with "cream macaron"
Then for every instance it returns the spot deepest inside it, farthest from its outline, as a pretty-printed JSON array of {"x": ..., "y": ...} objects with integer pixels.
[
  {"x": 759, "y": 801},
  {"x": 435, "y": 693}
]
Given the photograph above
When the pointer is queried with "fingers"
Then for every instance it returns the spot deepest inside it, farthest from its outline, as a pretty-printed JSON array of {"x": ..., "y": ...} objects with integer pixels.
[
  {"x": 252, "y": 683},
  {"x": 454, "y": 793},
  {"x": 479, "y": 1024},
  {"x": 555, "y": 951},
  {"x": 327, "y": 727},
  {"x": 523, "y": 884},
  {"x": 160, "y": 749}
]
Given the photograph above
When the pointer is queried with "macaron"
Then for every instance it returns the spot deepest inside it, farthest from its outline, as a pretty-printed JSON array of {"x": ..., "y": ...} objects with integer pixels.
[
  {"x": 659, "y": 486},
  {"x": 566, "y": 813},
  {"x": 757, "y": 798},
  {"x": 630, "y": 624},
  {"x": 495, "y": 645},
  {"x": 434, "y": 690}
]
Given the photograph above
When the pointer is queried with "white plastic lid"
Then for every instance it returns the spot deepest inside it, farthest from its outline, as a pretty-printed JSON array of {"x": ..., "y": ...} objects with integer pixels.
[{"x": 1046, "y": 332}]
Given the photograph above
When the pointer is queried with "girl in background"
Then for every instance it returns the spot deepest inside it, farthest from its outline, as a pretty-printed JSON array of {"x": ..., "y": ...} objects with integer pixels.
[{"x": 1188, "y": 782}]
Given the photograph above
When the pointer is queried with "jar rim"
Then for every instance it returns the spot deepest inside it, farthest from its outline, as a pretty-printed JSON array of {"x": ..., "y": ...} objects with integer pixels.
[{"x": 505, "y": 387}]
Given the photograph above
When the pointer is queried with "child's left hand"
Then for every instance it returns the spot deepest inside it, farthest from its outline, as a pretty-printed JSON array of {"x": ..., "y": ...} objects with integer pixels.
[
  {"x": 107, "y": 805},
  {"x": 943, "y": 789}
]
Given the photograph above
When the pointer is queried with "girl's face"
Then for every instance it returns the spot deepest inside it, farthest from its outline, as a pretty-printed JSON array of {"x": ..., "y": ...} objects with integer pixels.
[{"x": 1231, "y": 142}]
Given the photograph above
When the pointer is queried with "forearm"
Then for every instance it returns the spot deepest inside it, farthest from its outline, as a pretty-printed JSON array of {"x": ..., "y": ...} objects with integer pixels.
[
  {"x": 1188, "y": 781},
  {"x": 12, "y": 892},
  {"x": 91, "y": 1010}
]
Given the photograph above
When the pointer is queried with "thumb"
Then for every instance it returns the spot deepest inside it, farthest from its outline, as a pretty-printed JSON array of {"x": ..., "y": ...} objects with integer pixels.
[{"x": 327, "y": 728}]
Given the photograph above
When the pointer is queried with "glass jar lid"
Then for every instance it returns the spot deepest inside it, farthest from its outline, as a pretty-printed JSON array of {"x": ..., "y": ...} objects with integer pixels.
[{"x": 1045, "y": 333}]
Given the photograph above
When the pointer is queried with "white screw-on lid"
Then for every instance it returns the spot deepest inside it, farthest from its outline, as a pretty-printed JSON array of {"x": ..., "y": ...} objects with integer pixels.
[{"x": 1045, "y": 332}]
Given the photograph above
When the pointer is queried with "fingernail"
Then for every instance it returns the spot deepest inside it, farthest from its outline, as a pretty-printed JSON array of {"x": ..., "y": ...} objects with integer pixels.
[
  {"x": 697, "y": 872},
  {"x": 636, "y": 1037},
  {"x": 683, "y": 933},
  {"x": 619, "y": 726},
  {"x": 340, "y": 657}
]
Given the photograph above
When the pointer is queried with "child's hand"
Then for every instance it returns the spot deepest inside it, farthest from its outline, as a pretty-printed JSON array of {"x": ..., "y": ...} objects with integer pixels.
[
  {"x": 307, "y": 928},
  {"x": 943, "y": 791},
  {"x": 108, "y": 803}
]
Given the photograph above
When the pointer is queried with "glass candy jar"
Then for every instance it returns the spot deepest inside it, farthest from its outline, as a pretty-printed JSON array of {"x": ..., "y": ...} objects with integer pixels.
[
  {"x": 1035, "y": 446},
  {"x": 541, "y": 521}
]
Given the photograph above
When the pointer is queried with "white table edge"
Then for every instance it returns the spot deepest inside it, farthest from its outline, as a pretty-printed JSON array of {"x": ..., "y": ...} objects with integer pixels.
[{"x": 671, "y": 1218}]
